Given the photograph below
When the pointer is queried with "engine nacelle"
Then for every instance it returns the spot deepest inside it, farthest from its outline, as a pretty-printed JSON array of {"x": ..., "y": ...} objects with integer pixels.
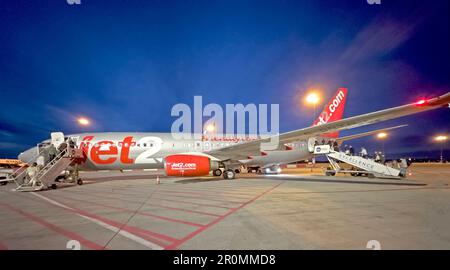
[{"x": 187, "y": 165}]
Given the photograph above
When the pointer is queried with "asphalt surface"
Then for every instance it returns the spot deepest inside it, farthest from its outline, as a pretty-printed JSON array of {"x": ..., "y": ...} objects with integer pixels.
[{"x": 299, "y": 209}]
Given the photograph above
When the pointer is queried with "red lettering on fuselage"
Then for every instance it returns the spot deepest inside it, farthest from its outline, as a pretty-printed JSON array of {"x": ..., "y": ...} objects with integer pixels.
[
  {"x": 96, "y": 152},
  {"x": 124, "y": 154},
  {"x": 84, "y": 146},
  {"x": 106, "y": 152}
]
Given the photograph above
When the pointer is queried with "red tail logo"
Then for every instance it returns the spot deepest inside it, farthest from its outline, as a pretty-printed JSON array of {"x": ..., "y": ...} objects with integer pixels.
[{"x": 333, "y": 111}]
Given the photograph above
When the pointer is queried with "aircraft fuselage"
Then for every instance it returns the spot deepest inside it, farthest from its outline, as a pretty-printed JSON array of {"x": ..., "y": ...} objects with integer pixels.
[{"x": 123, "y": 150}]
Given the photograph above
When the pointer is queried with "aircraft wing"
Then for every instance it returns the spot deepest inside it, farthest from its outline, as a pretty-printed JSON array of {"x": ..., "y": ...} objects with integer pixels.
[
  {"x": 245, "y": 149},
  {"x": 364, "y": 134}
]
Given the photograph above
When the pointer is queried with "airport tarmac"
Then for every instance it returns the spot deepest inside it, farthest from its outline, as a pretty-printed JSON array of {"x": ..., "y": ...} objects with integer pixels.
[{"x": 299, "y": 209}]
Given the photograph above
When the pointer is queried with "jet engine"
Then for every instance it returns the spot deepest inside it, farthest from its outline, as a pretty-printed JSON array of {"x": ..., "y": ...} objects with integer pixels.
[{"x": 188, "y": 165}]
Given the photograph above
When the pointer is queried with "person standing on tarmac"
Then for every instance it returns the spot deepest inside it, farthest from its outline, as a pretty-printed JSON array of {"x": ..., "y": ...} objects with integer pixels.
[{"x": 31, "y": 173}]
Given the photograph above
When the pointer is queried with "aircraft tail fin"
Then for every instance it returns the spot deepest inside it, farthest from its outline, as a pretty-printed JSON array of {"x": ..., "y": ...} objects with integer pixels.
[{"x": 333, "y": 111}]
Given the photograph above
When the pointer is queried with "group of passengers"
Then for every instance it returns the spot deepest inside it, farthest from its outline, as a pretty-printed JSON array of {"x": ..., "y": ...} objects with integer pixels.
[
  {"x": 377, "y": 157},
  {"x": 332, "y": 143},
  {"x": 51, "y": 152}
]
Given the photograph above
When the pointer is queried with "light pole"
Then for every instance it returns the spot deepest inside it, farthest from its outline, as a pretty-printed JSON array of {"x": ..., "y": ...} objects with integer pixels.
[{"x": 441, "y": 139}]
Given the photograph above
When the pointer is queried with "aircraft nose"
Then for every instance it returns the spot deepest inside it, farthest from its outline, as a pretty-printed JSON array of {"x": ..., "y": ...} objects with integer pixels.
[{"x": 28, "y": 155}]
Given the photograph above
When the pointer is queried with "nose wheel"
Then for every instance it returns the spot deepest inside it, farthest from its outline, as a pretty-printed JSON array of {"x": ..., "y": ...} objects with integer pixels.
[{"x": 217, "y": 172}]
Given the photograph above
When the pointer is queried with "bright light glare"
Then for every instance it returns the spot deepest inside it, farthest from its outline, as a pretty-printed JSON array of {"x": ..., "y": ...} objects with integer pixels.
[
  {"x": 312, "y": 98},
  {"x": 381, "y": 135},
  {"x": 83, "y": 121},
  {"x": 441, "y": 138},
  {"x": 420, "y": 102},
  {"x": 210, "y": 128}
]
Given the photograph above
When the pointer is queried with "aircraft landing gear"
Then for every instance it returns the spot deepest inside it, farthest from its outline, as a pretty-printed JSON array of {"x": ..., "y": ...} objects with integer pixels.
[
  {"x": 217, "y": 172},
  {"x": 229, "y": 174},
  {"x": 79, "y": 182},
  {"x": 271, "y": 170}
]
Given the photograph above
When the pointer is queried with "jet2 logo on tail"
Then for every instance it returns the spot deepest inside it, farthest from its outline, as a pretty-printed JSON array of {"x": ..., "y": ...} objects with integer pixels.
[{"x": 333, "y": 111}]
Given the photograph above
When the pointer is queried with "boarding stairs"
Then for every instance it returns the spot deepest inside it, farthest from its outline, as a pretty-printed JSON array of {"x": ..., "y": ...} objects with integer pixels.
[
  {"x": 17, "y": 176},
  {"x": 46, "y": 176},
  {"x": 364, "y": 166}
]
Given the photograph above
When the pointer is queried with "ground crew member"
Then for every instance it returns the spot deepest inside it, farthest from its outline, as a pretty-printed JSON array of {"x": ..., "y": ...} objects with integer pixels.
[
  {"x": 351, "y": 151},
  {"x": 403, "y": 163}
]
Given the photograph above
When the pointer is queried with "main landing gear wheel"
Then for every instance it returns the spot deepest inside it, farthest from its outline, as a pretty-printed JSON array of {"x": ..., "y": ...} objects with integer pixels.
[
  {"x": 229, "y": 174},
  {"x": 53, "y": 186},
  {"x": 217, "y": 172},
  {"x": 79, "y": 182}
]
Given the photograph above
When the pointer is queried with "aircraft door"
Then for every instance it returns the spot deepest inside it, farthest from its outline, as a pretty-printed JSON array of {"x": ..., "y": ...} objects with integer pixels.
[
  {"x": 311, "y": 144},
  {"x": 75, "y": 139},
  {"x": 57, "y": 138}
]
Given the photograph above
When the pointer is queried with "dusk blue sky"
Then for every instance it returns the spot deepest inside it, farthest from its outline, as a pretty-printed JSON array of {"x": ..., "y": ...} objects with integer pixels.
[{"x": 124, "y": 64}]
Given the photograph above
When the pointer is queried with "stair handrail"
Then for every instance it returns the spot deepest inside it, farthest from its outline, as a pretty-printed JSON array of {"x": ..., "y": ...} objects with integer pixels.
[
  {"x": 18, "y": 175},
  {"x": 51, "y": 163}
]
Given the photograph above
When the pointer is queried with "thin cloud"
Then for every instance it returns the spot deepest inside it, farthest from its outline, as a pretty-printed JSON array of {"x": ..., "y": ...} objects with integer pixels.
[
  {"x": 381, "y": 36},
  {"x": 11, "y": 145}
]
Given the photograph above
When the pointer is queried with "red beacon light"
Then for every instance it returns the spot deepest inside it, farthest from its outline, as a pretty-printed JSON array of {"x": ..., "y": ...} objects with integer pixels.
[{"x": 421, "y": 102}]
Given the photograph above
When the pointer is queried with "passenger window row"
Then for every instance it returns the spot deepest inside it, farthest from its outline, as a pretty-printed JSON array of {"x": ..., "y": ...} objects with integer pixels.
[{"x": 120, "y": 144}]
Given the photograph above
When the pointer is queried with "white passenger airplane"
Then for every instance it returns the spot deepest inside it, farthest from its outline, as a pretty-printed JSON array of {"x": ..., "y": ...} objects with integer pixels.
[{"x": 127, "y": 150}]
